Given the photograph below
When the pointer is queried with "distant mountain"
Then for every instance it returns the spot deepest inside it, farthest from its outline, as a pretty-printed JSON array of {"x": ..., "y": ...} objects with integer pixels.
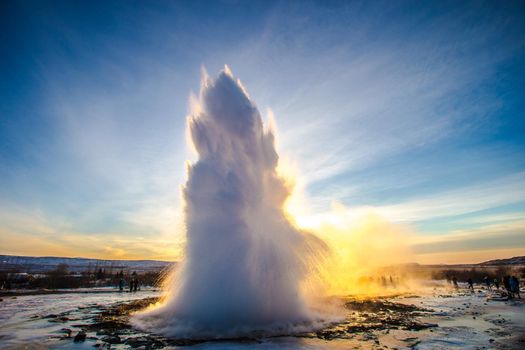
[
  {"x": 517, "y": 260},
  {"x": 44, "y": 264},
  {"x": 31, "y": 264}
]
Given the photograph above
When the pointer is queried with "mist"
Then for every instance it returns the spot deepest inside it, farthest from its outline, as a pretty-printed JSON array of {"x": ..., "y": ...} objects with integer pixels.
[{"x": 244, "y": 262}]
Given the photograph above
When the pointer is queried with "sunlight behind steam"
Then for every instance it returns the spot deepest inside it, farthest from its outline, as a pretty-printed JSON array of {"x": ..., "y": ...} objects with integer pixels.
[
  {"x": 254, "y": 260},
  {"x": 366, "y": 251}
]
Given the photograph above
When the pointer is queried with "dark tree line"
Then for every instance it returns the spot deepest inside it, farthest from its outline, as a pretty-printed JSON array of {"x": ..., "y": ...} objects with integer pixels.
[{"x": 61, "y": 278}]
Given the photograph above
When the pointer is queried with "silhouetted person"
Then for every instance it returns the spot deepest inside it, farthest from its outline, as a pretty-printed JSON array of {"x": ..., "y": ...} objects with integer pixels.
[
  {"x": 455, "y": 281},
  {"x": 515, "y": 285},
  {"x": 133, "y": 282},
  {"x": 470, "y": 284},
  {"x": 136, "y": 285},
  {"x": 121, "y": 284},
  {"x": 487, "y": 282},
  {"x": 496, "y": 283},
  {"x": 392, "y": 281},
  {"x": 506, "y": 284}
]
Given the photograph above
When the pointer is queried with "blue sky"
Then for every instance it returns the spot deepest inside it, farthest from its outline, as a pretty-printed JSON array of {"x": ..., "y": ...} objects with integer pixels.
[{"x": 415, "y": 109}]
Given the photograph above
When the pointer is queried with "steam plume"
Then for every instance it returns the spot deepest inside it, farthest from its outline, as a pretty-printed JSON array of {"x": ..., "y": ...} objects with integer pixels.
[{"x": 244, "y": 261}]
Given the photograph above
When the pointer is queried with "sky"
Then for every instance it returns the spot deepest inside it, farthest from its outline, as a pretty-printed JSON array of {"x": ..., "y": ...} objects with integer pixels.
[{"x": 414, "y": 110}]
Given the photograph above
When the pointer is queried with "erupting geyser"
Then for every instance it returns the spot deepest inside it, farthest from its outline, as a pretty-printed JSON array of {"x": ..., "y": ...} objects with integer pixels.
[{"x": 244, "y": 261}]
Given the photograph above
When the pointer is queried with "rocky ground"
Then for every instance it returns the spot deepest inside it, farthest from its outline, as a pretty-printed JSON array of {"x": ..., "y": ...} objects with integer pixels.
[
  {"x": 442, "y": 319},
  {"x": 111, "y": 325}
]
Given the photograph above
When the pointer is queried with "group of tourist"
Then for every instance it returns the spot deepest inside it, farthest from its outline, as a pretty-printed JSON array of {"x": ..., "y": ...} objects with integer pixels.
[
  {"x": 511, "y": 284},
  {"x": 133, "y": 283}
]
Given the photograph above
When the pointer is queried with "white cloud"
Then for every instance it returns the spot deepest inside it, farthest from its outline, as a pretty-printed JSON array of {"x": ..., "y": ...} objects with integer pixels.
[{"x": 506, "y": 190}]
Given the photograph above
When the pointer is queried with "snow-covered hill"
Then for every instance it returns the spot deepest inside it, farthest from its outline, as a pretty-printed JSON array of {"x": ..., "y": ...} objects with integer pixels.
[
  {"x": 44, "y": 264},
  {"x": 517, "y": 260}
]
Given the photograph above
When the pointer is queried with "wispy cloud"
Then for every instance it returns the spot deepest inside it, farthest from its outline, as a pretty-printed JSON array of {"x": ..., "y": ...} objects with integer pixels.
[
  {"x": 376, "y": 105},
  {"x": 464, "y": 244},
  {"x": 33, "y": 233},
  {"x": 361, "y": 101},
  {"x": 507, "y": 190}
]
